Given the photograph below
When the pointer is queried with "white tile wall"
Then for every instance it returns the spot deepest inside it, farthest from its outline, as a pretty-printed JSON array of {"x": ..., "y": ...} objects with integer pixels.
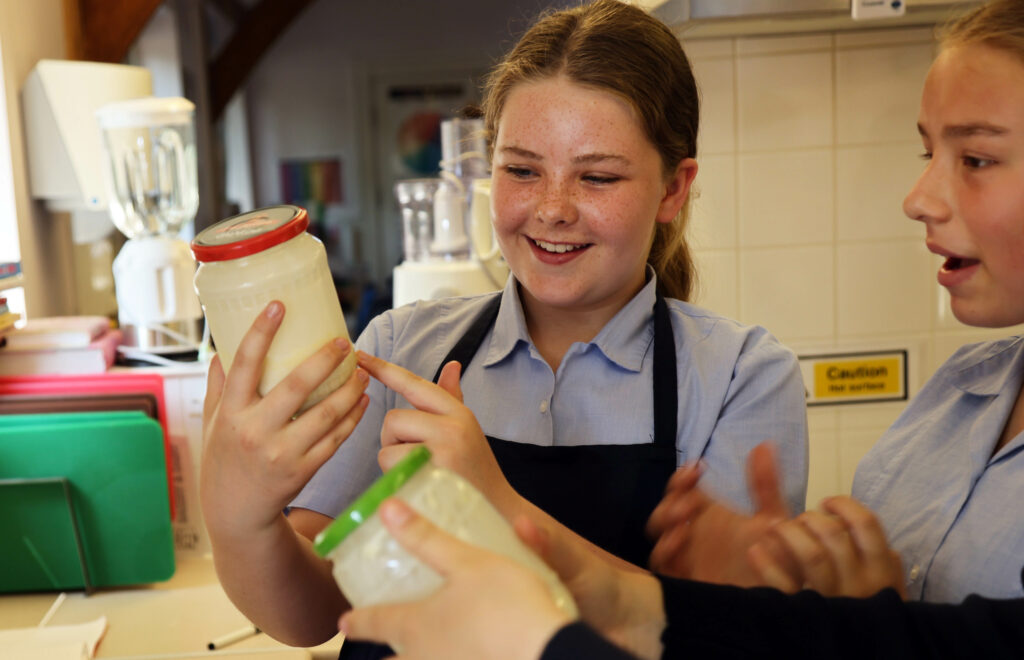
[
  {"x": 878, "y": 91},
  {"x": 807, "y": 148},
  {"x": 713, "y": 203},
  {"x": 786, "y": 198},
  {"x": 871, "y": 182},
  {"x": 785, "y": 101},
  {"x": 788, "y": 290}
]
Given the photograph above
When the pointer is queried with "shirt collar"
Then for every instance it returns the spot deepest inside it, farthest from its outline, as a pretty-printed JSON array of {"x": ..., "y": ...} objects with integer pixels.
[
  {"x": 989, "y": 373},
  {"x": 624, "y": 340}
]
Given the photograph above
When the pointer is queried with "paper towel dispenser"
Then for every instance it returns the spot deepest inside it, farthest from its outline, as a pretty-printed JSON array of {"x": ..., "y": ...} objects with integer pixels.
[{"x": 62, "y": 136}]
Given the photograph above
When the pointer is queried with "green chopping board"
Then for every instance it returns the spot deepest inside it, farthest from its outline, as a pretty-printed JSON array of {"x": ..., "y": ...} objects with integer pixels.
[{"x": 114, "y": 465}]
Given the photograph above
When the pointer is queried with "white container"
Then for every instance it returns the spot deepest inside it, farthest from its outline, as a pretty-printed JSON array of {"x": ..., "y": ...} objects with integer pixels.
[
  {"x": 248, "y": 260},
  {"x": 372, "y": 568}
]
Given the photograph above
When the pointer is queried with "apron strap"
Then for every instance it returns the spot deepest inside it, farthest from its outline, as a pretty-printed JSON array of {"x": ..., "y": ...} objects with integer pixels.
[
  {"x": 666, "y": 394},
  {"x": 469, "y": 343}
]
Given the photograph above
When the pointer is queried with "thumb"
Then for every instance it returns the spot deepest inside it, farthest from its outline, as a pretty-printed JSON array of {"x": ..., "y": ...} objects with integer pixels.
[
  {"x": 449, "y": 379},
  {"x": 214, "y": 388},
  {"x": 763, "y": 482},
  {"x": 435, "y": 547}
]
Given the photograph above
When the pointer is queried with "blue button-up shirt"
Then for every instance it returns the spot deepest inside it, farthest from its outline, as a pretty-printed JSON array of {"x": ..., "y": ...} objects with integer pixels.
[
  {"x": 952, "y": 508},
  {"x": 737, "y": 386}
]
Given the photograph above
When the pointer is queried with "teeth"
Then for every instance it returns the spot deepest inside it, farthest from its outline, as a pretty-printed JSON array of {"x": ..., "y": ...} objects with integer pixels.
[{"x": 557, "y": 248}]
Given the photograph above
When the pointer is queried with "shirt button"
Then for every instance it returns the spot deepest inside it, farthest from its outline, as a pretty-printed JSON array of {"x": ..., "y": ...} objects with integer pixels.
[
  {"x": 915, "y": 570},
  {"x": 543, "y": 406}
]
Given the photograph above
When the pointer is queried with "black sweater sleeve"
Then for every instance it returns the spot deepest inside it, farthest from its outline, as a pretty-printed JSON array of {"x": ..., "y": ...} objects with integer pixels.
[
  {"x": 714, "y": 621},
  {"x": 578, "y": 640}
]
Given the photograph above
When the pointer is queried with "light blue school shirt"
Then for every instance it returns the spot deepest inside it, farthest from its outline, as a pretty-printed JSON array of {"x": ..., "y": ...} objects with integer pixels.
[
  {"x": 738, "y": 386},
  {"x": 953, "y": 510}
]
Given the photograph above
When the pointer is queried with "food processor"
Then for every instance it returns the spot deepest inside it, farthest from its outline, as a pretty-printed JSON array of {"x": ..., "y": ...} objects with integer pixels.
[
  {"x": 152, "y": 185},
  {"x": 448, "y": 246}
]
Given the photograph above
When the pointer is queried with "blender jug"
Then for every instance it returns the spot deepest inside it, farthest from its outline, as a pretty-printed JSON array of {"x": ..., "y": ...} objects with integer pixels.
[
  {"x": 153, "y": 189},
  {"x": 416, "y": 201}
]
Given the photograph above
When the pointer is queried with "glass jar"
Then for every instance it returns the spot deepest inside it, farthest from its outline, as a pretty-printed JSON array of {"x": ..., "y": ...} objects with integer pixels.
[
  {"x": 250, "y": 259},
  {"x": 372, "y": 568}
]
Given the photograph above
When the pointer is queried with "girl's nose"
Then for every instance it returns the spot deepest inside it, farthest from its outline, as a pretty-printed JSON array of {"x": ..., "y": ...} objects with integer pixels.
[
  {"x": 557, "y": 205},
  {"x": 926, "y": 201}
]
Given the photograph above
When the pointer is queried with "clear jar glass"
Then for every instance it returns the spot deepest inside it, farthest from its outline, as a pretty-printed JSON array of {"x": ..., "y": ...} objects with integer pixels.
[
  {"x": 372, "y": 568},
  {"x": 248, "y": 260}
]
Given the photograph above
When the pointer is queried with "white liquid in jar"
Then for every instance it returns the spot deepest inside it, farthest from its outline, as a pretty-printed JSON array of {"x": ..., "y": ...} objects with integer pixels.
[
  {"x": 234, "y": 292},
  {"x": 372, "y": 568}
]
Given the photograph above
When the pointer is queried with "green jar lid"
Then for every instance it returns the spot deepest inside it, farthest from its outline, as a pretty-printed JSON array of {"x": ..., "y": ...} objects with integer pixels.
[{"x": 365, "y": 506}]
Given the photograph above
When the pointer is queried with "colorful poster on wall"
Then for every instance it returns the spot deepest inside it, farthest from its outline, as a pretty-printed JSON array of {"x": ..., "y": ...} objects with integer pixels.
[{"x": 312, "y": 183}]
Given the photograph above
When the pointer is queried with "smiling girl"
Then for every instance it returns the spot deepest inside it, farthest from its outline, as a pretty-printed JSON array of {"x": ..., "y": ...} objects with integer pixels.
[{"x": 573, "y": 394}]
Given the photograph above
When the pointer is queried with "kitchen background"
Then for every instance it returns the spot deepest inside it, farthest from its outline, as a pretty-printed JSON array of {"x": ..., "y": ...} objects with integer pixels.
[{"x": 808, "y": 145}]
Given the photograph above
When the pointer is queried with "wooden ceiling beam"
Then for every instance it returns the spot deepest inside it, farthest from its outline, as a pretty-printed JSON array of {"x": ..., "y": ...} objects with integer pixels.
[
  {"x": 104, "y": 30},
  {"x": 252, "y": 37}
]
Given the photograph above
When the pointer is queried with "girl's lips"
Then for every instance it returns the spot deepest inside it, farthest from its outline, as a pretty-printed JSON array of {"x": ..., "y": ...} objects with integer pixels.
[{"x": 957, "y": 270}]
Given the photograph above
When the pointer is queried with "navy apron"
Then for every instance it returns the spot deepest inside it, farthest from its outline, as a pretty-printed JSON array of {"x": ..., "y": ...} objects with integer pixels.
[{"x": 604, "y": 493}]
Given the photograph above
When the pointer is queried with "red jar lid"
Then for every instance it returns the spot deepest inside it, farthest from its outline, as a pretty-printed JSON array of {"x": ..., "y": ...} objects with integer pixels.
[{"x": 249, "y": 233}]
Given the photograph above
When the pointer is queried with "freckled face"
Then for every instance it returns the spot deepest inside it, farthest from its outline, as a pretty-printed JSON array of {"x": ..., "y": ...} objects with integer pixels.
[
  {"x": 576, "y": 191},
  {"x": 971, "y": 194}
]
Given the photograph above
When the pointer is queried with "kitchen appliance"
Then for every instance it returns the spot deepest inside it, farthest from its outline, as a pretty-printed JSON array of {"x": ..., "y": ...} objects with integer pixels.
[
  {"x": 448, "y": 245},
  {"x": 153, "y": 192}
]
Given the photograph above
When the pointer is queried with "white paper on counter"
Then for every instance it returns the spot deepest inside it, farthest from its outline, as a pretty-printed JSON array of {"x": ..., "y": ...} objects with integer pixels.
[{"x": 70, "y": 642}]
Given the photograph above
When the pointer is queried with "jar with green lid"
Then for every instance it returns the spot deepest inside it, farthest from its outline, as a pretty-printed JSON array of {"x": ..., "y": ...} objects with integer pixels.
[{"x": 372, "y": 568}]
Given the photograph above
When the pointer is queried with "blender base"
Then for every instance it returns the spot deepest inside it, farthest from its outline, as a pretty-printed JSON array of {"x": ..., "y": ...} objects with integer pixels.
[{"x": 430, "y": 280}]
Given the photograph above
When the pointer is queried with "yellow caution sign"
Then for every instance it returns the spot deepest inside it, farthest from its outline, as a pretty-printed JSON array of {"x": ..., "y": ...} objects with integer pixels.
[{"x": 843, "y": 378}]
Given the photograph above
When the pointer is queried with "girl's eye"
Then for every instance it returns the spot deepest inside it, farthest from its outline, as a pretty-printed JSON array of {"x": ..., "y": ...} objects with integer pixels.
[
  {"x": 600, "y": 179},
  {"x": 977, "y": 163},
  {"x": 519, "y": 172}
]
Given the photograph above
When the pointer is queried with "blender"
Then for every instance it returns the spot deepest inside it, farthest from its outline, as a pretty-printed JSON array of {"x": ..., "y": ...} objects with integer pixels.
[
  {"x": 442, "y": 220},
  {"x": 152, "y": 185}
]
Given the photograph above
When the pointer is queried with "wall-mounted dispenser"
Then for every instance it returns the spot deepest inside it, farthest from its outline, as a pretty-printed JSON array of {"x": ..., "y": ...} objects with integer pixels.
[{"x": 65, "y": 156}]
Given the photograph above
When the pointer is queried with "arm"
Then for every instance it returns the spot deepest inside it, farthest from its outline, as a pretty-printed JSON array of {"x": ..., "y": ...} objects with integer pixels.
[
  {"x": 456, "y": 441},
  {"x": 255, "y": 459},
  {"x": 703, "y": 623}
]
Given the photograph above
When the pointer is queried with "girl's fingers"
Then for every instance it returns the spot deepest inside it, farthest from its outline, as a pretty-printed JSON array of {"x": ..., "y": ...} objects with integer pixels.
[
  {"x": 243, "y": 380},
  {"x": 863, "y": 526},
  {"x": 763, "y": 482},
  {"x": 388, "y": 456},
  {"x": 420, "y": 392},
  {"x": 403, "y": 425},
  {"x": 438, "y": 549},
  {"x": 675, "y": 510},
  {"x": 669, "y": 554},
  {"x": 832, "y": 535},
  {"x": 813, "y": 559},
  {"x": 334, "y": 409},
  {"x": 321, "y": 450},
  {"x": 770, "y": 570},
  {"x": 285, "y": 399},
  {"x": 449, "y": 379}
]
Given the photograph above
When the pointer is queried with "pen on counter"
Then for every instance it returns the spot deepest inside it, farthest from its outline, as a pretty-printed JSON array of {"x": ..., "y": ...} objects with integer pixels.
[{"x": 232, "y": 637}]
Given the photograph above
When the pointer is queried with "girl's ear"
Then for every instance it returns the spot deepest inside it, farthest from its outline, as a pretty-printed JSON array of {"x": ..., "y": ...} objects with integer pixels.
[{"x": 677, "y": 190}]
